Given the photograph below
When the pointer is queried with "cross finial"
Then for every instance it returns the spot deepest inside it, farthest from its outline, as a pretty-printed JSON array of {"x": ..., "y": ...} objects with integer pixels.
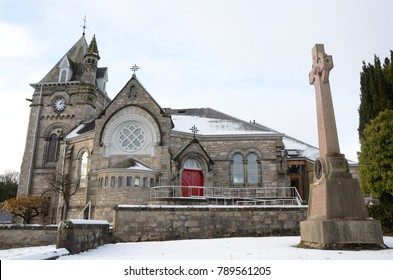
[
  {"x": 134, "y": 68},
  {"x": 194, "y": 130},
  {"x": 84, "y": 26}
]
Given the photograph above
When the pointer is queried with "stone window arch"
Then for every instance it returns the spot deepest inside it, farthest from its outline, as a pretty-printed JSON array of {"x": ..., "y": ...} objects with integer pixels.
[
  {"x": 53, "y": 148},
  {"x": 237, "y": 169},
  {"x": 83, "y": 168},
  {"x": 192, "y": 163},
  {"x": 252, "y": 168},
  {"x": 130, "y": 134},
  {"x": 52, "y": 136}
]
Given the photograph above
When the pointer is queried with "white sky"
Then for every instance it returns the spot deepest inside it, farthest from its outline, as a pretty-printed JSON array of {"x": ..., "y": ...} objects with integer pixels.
[{"x": 246, "y": 58}]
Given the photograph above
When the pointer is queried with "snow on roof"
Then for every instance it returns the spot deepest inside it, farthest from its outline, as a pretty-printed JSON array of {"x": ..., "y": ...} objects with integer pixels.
[
  {"x": 139, "y": 166},
  {"x": 75, "y": 132},
  {"x": 90, "y": 222},
  {"x": 212, "y": 126},
  {"x": 305, "y": 150},
  {"x": 81, "y": 129}
]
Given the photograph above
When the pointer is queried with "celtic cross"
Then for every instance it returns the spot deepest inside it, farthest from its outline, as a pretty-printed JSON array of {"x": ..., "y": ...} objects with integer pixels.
[
  {"x": 134, "y": 68},
  {"x": 194, "y": 130},
  {"x": 319, "y": 77}
]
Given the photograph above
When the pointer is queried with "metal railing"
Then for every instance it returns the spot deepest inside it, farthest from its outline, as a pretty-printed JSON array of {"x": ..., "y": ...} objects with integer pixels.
[
  {"x": 82, "y": 213},
  {"x": 234, "y": 196}
]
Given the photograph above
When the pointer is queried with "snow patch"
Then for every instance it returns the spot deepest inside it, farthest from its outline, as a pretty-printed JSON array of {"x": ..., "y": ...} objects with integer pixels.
[
  {"x": 210, "y": 126},
  {"x": 89, "y": 222}
]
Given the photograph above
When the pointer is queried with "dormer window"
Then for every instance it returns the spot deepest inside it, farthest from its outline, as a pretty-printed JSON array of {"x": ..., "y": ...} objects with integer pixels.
[
  {"x": 65, "y": 72},
  {"x": 63, "y": 75}
]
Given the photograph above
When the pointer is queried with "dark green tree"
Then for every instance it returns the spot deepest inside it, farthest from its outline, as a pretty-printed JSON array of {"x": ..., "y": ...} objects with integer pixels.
[
  {"x": 376, "y": 165},
  {"x": 8, "y": 184},
  {"x": 376, "y": 90}
]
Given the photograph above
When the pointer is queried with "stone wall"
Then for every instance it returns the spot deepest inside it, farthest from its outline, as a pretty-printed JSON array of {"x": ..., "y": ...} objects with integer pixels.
[
  {"x": 156, "y": 223},
  {"x": 221, "y": 148},
  {"x": 15, "y": 236},
  {"x": 82, "y": 235}
]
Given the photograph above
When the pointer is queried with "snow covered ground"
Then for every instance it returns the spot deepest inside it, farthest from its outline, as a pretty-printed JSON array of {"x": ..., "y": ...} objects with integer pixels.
[
  {"x": 226, "y": 258},
  {"x": 260, "y": 248}
]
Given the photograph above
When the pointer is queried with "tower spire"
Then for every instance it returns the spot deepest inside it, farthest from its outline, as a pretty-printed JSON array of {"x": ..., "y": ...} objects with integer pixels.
[
  {"x": 90, "y": 62},
  {"x": 92, "y": 49}
]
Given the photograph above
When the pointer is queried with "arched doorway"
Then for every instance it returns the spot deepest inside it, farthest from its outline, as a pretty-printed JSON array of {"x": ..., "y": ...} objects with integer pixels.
[{"x": 192, "y": 179}]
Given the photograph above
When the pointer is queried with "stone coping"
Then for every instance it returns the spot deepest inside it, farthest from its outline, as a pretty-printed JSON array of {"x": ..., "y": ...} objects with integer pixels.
[
  {"x": 125, "y": 207},
  {"x": 29, "y": 226}
]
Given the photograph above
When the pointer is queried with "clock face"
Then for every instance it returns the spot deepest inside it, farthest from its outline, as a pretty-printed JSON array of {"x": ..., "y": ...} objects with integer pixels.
[{"x": 59, "y": 104}]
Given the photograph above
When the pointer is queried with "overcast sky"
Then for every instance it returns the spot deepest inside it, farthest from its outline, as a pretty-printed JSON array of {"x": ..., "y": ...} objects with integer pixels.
[{"x": 246, "y": 58}]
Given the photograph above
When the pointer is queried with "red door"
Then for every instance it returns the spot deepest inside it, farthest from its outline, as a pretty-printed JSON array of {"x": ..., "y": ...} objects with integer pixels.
[{"x": 194, "y": 178}]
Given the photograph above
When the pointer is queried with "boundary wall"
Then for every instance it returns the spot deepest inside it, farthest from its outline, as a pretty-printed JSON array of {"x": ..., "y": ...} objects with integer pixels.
[
  {"x": 156, "y": 223},
  {"x": 16, "y": 236}
]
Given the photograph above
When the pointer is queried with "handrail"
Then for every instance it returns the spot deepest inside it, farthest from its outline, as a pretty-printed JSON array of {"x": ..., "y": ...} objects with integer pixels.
[
  {"x": 81, "y": 214},
  {"x": 237, "y": 195}
]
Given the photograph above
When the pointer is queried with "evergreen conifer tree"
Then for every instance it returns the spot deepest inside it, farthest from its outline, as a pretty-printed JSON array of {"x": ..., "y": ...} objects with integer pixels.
[{"x": 376, "y": 90}]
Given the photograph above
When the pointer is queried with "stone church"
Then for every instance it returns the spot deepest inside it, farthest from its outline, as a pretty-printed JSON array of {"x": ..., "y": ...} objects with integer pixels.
[{"x": 130, "y": 151}]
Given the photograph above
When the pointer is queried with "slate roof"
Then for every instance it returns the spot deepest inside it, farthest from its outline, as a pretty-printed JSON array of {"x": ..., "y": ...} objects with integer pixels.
[
  {"x": 101, "y": 71},
  {"x": 212, "y": 122},
  {"x": 81, "y": 129},
  {"x": 75, "y": 55}
]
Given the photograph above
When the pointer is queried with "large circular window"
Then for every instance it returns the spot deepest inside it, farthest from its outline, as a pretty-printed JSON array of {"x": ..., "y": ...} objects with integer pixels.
[{"x": 131, "y": 137}]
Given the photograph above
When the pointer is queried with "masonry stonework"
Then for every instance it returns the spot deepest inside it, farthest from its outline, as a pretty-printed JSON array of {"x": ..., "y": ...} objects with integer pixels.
[
  {"x": 157, "y": 223},
  {"x": 117, "y": 150}
]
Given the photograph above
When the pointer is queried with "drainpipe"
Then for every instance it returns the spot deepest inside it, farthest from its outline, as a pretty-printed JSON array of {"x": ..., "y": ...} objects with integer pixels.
[{"x": 33, "y": 150}]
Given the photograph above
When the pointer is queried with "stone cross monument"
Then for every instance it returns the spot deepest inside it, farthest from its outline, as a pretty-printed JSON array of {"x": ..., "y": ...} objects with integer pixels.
[{"x": 337, "y": 215}]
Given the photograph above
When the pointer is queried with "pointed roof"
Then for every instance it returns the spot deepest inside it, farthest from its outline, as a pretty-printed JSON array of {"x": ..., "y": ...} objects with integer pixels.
[
  {"x": 194, "y": 141},
  {"x": 133, "y": 78},
  {"x": 92, "y": 49},
  {"x": 75, "y": 54}
]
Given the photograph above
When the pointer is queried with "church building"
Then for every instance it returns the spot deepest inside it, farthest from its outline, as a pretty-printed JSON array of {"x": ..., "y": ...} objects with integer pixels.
[{"x": 130, "y": 151}]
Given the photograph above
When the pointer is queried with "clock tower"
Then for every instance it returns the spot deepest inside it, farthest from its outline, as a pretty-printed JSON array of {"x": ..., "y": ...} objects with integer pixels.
[{"x": 72, "y": 92}]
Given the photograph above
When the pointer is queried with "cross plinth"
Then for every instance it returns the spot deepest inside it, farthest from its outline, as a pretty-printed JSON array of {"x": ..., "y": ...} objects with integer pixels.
[{"x": 337, "y": 216}]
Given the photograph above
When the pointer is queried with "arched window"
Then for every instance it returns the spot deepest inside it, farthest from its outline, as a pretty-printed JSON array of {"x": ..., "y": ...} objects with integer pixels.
[
  {"x": 192, "y": 164},
  {"x": 237, "y": 169},
  {"x": 63, "y": 75},
  {"x": 252, "y": 168},
  {"x": 83, "y": 170},
  {"x": 51, "y": 155}
]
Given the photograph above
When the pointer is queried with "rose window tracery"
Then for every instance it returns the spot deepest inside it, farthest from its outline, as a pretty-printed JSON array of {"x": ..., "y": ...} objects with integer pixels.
[{"x": 131, "y": 137}]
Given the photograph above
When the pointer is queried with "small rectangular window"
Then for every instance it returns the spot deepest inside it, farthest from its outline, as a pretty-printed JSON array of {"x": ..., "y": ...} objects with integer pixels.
[
  {"x": 120, "y": 181},
  {"x": 129, "y": 181},
  {"x": 112, "y": 181},
  {"x": 137, "y": 181},
  {"x": 106, "y": 181},
  {"x": 144, "y": 182}
]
